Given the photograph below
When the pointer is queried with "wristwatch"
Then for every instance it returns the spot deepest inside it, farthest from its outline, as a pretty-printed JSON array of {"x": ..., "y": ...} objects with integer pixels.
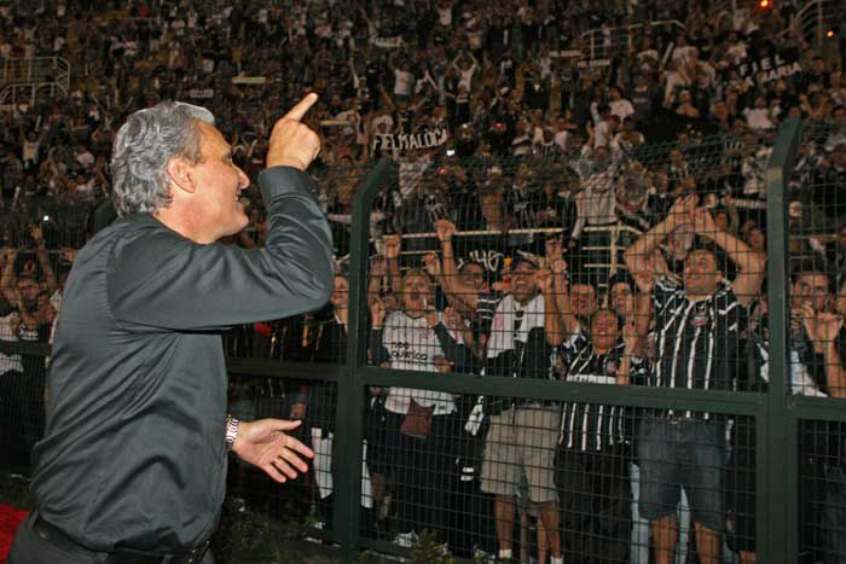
[{"x": 231, "y": 431}]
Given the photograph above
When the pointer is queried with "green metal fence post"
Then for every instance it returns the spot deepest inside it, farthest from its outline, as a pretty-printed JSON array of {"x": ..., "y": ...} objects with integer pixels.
[
  {"x": 777, "y": 455},
  {"x": 349, "y": 424}
]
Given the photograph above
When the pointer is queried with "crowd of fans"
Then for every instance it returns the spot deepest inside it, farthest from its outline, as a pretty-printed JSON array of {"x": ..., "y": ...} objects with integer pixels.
[{"x": 552, "y": 217}]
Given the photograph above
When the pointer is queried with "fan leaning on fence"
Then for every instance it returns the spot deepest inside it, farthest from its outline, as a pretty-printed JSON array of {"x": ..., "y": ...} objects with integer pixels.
[
  {"x": 133, "y": 464},
  {"x": 421, "y": 425},
  {"x": 524, "y": 326},
  {"x": 697, "y": 331}
]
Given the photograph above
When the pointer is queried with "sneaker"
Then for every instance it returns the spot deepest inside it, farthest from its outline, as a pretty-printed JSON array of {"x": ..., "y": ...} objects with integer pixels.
[
  {"x": 406, "y": 540},
  {"x": 480, "y": 556}
]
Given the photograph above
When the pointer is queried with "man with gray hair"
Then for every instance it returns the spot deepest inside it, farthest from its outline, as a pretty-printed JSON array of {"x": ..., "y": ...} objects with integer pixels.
[{"x": 132, "y": 467}]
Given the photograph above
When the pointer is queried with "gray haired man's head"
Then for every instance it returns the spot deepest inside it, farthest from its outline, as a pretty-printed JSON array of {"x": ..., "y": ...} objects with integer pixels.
[{"x": 142, "y": 148}]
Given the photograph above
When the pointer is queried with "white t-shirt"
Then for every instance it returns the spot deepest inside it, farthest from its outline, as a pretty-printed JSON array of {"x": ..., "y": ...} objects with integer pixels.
[
  {"x": 85, "y": 158},
  {"x": 737, "y": 52},
  {"x": 758, "y": 118},
  {"x": 621, "y": 108},
  {"x": 562, "y": 138},
  {"x": 601, "y": 134},
  {"x": 412, "y": 345},
  {"x": 684, "y": 53},
  {"x": 505, "y": 329}
]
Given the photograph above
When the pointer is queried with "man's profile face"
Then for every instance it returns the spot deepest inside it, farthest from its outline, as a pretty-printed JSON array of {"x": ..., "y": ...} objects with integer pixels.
[
  {"x": 219, "y": 185},
  {"x": 811, "y": 288},
  {"x": 701, "y": 275}
]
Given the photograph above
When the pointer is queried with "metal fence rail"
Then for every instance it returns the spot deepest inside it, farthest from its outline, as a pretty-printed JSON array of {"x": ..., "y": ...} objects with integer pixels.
[
  {"x": 610, "y": 42},
  {"x": 815, "y": 19},
  {"x": 23, "y": 80}
]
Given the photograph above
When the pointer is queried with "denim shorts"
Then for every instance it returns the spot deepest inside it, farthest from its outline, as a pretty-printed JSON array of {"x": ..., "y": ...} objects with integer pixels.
[{"x": 682, "y": 453}]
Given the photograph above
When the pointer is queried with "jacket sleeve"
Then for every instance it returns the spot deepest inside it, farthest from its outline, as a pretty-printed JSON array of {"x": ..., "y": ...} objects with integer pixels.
[
  {"x": 456, "y": 352},
  {"x": 536, "y": 357},
  {"x": 379, "y": 353},
  {"x": 162, "y": 280}
]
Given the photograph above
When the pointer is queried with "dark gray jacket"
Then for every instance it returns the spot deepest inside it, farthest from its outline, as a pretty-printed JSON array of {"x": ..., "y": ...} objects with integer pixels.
[{"x": 134, "y": 454}]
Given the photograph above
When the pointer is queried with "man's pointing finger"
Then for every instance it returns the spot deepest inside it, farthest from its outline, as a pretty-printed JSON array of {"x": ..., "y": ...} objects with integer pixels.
[{"x": 297, "y": 112}]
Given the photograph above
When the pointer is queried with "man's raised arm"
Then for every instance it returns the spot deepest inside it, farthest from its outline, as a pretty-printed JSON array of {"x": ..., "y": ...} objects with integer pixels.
[
  {"x": 637, "y": 256},
  {"x": 464, "y": 294},
  {"x": 751, "y": 265},
  {"x": 162, "y": 279}
]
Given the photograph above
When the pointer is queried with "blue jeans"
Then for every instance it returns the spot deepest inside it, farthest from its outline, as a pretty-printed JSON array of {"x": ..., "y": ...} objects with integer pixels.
[{"x": 682, "y": 453}]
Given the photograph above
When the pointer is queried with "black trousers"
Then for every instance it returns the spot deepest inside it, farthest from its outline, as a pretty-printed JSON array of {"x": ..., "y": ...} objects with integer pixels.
[
  {"x": 423, "y": 474},
  {"x": 30, "y": 548},
  {"x": 596, "y": 505}
]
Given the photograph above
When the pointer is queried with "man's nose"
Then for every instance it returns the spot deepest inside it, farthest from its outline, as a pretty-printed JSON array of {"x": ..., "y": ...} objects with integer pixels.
[{"x": 243, "y": 179}]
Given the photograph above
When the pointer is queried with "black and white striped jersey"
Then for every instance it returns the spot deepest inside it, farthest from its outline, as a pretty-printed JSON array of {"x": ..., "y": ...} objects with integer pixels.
[
  {"x": 696, "y": 342},
  {"x": 594, "y": 427}
]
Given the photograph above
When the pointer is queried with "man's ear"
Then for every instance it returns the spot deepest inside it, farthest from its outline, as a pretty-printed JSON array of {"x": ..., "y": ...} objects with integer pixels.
[{"x": 181, "y": 174}]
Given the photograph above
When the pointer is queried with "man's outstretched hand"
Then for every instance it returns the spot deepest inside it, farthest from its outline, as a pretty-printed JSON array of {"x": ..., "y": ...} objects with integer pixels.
[
  {"x": 291, "y": 142},
  {"x": 265, "y": 444}
]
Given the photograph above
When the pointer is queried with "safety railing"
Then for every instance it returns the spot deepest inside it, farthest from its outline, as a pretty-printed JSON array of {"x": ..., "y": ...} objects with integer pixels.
[
  {"x": 609, "y": 42},
  {"x": 23, "y": 80},
  {"x": 818, "y": 21}
]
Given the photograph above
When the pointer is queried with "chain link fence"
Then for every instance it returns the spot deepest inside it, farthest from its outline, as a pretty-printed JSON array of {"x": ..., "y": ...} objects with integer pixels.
[{"x": 593, "y": 357}]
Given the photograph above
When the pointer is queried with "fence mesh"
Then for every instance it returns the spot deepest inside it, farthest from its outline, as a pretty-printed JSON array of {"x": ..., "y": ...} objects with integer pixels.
[
  {"x": 817, "y": 339},
  {"x": 638, "y": 266},
  {"x": 632, "y": 267},
  {"x": 22, "y": 381},
  {"x": 307, "y": 500},
  {"x": 821, "y": 491},
  {"x": 538, "y": 479},
  {"x": 817, "y": 221}
]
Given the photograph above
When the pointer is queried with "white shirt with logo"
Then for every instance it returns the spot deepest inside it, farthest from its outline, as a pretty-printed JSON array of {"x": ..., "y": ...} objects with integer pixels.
[{"x": 412, "y": 345}]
